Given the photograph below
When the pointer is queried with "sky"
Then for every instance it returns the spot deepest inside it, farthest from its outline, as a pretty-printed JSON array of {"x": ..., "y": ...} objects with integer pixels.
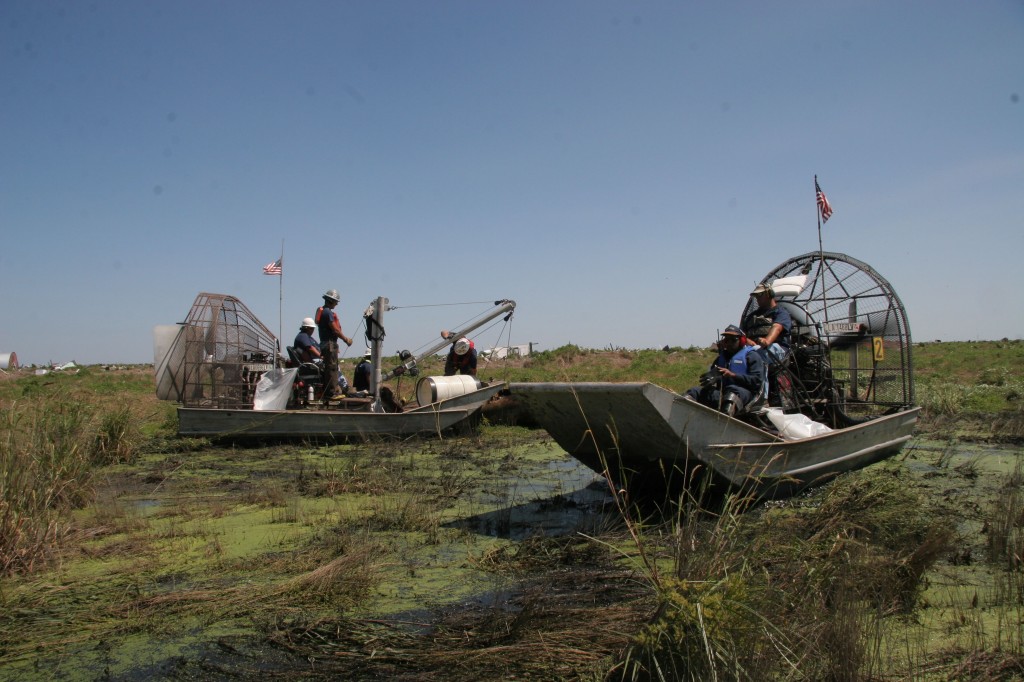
[{"x": 624, "y": 171}]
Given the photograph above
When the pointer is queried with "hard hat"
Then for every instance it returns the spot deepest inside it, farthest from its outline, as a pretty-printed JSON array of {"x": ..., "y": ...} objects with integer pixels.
[
  {"x": 462, "y": 346},
  {"x": 308, "y": 322},
  {"x": 332, "y": 295},
  {"x": 368, "y": 353}
]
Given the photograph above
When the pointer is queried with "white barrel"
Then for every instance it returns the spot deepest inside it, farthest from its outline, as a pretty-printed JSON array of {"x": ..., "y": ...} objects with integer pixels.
[{"x": 433, "y": 389}]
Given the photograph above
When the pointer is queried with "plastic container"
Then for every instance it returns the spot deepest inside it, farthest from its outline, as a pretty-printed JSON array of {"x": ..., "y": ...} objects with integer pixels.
[
  {"x": 789, "y": 287},
  {"x": 433, "y": 389}
]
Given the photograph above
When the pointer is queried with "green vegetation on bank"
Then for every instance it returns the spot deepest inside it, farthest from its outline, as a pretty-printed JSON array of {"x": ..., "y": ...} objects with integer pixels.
[{"x": 419, "y": 560}]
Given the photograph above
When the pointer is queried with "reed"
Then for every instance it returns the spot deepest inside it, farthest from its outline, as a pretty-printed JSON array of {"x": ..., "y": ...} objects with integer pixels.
[
  {"x": 1006, "y": 531},
  {"x": 44, "y": 472},
  {"x": 349, "y": 565},
  {"x": 117, "y": 438},
  {"x": 776, "y": 592}
]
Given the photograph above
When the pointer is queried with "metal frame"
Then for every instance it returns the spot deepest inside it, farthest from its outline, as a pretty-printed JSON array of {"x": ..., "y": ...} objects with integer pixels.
[
  {"x": 221, "y": 353},
  {"x": 851, "y": 337}
]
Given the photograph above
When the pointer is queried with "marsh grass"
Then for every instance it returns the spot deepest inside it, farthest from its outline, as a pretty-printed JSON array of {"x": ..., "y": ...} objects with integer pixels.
[
  {"x": 554, "y": 628},
  {"x": 822, "y": 587},
  {"x": 44, "y": 472},
  {"x": 1006, "y": 531},
  {"x": 347, "y": 564},
  {"x": 117, "y": 438},
  {"x": 776, "y": 593},
  {"x": 403, "y": 512}
]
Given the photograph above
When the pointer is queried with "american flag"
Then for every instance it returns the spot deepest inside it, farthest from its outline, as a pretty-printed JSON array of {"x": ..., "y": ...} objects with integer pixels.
[
  {"x": 272, "y": 268},
  {"x": 823, "y": 206}
]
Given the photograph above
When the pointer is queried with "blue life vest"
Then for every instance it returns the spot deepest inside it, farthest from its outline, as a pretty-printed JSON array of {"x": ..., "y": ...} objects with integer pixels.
[{"x": 736, "y": 364}]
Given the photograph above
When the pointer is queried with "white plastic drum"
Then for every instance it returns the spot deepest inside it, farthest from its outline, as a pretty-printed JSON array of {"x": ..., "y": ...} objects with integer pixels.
[{"x": 433, "y": 389}]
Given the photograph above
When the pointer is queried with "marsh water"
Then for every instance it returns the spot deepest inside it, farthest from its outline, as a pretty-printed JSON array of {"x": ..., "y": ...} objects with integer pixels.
[{"x": 192, "y": 569}]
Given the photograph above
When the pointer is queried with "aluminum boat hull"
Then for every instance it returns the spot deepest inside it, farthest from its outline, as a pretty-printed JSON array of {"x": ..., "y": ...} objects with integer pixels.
[{"x": 640, "y": 430}]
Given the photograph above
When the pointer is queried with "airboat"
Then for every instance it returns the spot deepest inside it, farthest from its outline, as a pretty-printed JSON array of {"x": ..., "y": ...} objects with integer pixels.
[
  {"x": 226, "y": 371},
  {"x": 844, "y": 396}
]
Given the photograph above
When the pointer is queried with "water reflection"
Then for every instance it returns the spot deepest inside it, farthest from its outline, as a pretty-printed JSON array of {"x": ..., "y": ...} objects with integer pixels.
[{"x": 566, "y": 498}]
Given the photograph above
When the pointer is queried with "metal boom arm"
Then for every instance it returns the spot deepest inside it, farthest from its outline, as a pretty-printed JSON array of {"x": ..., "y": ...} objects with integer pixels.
[{"x": 501, "y": 307}]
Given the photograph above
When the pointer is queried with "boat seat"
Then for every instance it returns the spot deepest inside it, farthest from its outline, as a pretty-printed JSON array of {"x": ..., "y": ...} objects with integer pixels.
[
  {"x": 309, "y": 372},
  {"x": 758, "y": 403}
]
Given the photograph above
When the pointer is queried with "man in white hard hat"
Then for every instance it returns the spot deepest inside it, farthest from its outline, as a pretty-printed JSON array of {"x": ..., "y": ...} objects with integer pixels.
[
  {"x": 461, "y": 358},
  {"x": 306, "y": 346},
  {"x": 330, "y": 331},
  {"x": 361, "y": 374}
]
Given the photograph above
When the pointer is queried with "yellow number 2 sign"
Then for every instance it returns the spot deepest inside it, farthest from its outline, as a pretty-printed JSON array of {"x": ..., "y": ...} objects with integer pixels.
[{"x": 879, "y": 348}]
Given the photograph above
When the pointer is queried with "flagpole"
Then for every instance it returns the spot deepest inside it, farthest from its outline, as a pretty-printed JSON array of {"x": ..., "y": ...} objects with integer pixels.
[
  {"x": 280, "y": 303},
  {"x": 821, "y": 250}
]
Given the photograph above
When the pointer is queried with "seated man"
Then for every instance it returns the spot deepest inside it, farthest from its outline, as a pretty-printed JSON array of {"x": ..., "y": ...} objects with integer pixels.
[
  {"x": 306, "y": 346},
  {"x": 735, "y": 378},
  {"x": 768, "y": 327}
]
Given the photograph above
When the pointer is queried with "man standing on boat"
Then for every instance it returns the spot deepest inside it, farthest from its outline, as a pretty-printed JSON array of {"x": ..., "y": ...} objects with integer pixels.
[
  {"x": 767, "y": 328},
  {"x": 461, "y": 358},
  {"x": 329, "y": 325},
  {"x": 736, "y": 376}
]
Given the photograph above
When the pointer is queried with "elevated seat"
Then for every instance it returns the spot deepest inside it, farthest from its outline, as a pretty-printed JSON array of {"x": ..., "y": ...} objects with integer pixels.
[{"x": 310, "y": 373}]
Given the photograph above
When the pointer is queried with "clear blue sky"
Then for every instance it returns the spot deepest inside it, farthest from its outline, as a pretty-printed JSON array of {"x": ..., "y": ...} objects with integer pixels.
[{"x": 625, "y": 171}]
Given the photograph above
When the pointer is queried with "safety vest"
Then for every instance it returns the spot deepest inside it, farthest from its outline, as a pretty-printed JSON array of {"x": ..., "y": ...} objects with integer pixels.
[
  {"x": 737, "y": 363},
  {"x": 324, "y": 322}
]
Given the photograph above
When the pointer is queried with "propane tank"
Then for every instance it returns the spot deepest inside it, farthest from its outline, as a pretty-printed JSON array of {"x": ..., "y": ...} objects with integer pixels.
[{"x": 309, "y": 394}]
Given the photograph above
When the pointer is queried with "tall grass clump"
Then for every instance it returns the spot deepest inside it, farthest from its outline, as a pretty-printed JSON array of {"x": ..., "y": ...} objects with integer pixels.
[
  {"x": 117, "y": 438},
  {"x": 787, "y": 592},
  {"x": 1006, "y": 529},
  {"x": 710, "y": 622},
  {"x": 943, "y": 399},
  {"x": 44, "y": 471}
]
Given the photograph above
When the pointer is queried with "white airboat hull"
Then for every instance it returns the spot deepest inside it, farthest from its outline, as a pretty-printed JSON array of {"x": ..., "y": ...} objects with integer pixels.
[{"x": 639, "y": 429}]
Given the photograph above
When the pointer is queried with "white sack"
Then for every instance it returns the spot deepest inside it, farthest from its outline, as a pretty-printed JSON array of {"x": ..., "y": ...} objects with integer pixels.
[
  {"x": 795, "y": 426},
  {"x": 274, "y": 388}
]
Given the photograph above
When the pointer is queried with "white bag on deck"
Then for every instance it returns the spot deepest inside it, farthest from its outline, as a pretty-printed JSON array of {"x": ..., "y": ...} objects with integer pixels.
[
  {"x": 274, "y": 388},
  {"x": 795, "y": 426}
]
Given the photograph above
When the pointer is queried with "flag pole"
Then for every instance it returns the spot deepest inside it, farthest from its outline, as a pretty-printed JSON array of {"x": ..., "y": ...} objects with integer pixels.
[
  {"x": 821, "y": 249},
  {"x": 280, "y": 303}
]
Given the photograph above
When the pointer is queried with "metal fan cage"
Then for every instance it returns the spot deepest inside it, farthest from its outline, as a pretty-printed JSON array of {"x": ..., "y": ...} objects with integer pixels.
[
  {"x": 850, "y": 332},
  {"x": 221, "y": 353}
]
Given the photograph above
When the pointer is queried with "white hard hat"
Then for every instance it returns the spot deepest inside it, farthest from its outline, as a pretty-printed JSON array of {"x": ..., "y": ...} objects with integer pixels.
[
  {"x": 368, "y": 353},
  {"x": 332, "y": 295},
  {"x": 308, "y": 322},
  {"x": 462, "y": 346}
]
